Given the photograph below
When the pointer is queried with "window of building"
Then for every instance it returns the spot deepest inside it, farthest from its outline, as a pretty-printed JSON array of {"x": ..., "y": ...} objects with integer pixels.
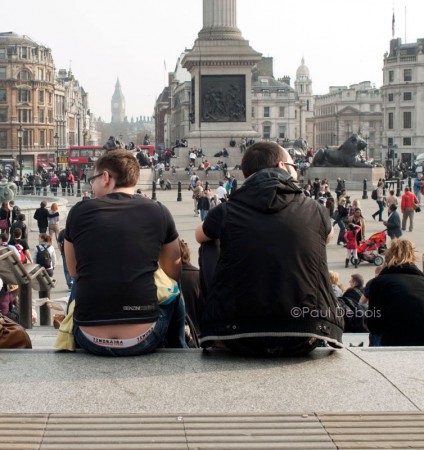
[
  {"x": 282, "y": 111},
  {"x": 390, "y": 124},
  {"x": 48, "y": 76},
  {"x": 407, "y": 141},
  {"x": 3, "y": 95},
  {"x": 3, "y": 114},
  {"x": 24, "y": 115},
  {"x": 266, "y": 111},
  {"x": 407, "y": 75},
  {"x": 24, "y": 95},
  {"x": 42, "y": 138},
  {"x": 391, "y": 76},
  {"x": 40, "y": 115},
  {"x": 2, "y": 73},
  {"x": 267, "y": 132},
  {"x": 301, "y": 88},
  {"x": 26, "y": 138},
  {"x": 253, "y": 111},
  {"x": 281, "y": 131},
  {"x": 3, "y": 138},
  {"x": 41, "y": 74},
  {"x": 24, "y": 52},
  {"x": 390, "y": 97},
  {"x": 2, "y": 53},
  {"x": 390, "y": 141},
  {"x": 40, "y": 96},
  {"x": 407, "y": 119},
  {"x": 265, "y": 92},
  {"x": 407, "y": 96},
  {"x": 24, "y": 75},
  {"x": 50, "y": 115},
  {"x": 50, "y": 98}
]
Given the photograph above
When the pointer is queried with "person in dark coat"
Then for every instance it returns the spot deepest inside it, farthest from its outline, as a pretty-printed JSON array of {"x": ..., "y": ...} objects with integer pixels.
[
  {"x": 393, "y": 223},
  {"x": 396, "y": 298},
  {"x": 41, "y": 216},
  {"x": 264, "y": 299}
]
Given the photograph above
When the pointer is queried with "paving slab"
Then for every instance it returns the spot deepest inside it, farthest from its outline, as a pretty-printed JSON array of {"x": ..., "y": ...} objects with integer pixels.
[{"x": 193, "y": 381}]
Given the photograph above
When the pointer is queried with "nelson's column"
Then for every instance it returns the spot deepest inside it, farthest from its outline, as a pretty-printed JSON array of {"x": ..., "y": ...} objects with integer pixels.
[{"x": 220, "y": 65}]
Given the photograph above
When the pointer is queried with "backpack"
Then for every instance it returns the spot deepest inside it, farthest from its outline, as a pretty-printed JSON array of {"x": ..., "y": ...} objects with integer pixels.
[
  {"x": 44, "y": 259},
  {"x": 374, "y": 194},
  {"x": 21, "y": 253}
]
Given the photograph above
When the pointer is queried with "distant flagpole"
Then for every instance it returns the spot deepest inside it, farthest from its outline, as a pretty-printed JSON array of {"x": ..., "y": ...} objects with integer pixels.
[
  {"x": 164, "y": 73},
  {"x": 393, "y": 24}
]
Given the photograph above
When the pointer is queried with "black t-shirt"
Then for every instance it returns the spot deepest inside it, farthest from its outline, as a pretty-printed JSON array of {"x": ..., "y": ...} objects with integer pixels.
[
  {"x": 117, "y": 241},
  {"x": 22, "y": 242}
]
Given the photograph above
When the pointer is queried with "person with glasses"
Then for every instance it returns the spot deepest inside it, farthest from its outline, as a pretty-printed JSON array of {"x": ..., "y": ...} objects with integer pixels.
[
  {"x": 263, "y": 264},
  {"x": 114, "y": 244}
]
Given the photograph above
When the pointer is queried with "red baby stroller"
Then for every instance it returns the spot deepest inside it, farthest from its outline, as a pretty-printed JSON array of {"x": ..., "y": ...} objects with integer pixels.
[{"x": 372, "y": 249}]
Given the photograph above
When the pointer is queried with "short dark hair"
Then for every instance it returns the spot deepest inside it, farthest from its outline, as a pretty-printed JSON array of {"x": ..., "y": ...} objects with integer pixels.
[
  {"x": 261, "y": 155},
  {"x": 358, "y": 279},
  {"x": 21, "y": 217},
  {"x": 17, "y": 233},
  {"x": 122, "y": 165},
  {"x": 4, "y": 237}
]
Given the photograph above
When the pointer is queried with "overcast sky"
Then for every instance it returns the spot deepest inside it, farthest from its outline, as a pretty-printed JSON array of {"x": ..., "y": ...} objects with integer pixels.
[{"x": 342, "y": 41}]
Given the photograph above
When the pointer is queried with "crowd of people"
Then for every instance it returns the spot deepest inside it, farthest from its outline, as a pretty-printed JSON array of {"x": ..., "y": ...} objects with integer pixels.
[{"x": 263, "y": 287}]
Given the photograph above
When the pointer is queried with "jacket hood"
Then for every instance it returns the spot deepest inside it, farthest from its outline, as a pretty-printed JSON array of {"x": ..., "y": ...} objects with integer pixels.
[{"x": 268, "y": 190}]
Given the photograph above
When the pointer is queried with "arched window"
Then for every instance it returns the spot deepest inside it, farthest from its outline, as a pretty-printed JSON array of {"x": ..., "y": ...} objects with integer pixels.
[{"x": 24, "y": 75}]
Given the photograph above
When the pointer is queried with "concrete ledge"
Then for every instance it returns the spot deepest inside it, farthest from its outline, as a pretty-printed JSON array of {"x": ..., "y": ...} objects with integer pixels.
[{"x": 197, "y": 382}]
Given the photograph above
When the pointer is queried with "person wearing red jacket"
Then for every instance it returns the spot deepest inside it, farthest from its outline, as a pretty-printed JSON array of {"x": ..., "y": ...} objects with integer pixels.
[
  {"x": 352, "y": 243},
  {"x": 408, "y": 205}
]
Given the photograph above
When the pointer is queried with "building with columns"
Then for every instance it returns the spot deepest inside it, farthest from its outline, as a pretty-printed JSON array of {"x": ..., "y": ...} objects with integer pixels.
[
  {"x": 403, "y": 101},
  {"x": 347, "y": 110}
]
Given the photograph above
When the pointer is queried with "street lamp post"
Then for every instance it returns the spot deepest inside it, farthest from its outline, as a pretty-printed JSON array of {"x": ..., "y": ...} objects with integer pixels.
[
  {"x": 20, "y": 136},
  {"x": 56, "y": 138}
]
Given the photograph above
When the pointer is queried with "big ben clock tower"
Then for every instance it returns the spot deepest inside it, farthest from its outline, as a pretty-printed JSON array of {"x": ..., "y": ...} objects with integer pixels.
[{"x": 118, "y": 104}]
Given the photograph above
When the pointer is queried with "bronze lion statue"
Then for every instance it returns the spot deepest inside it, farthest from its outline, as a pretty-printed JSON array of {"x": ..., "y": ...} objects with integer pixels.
[{"x": 347, "y": 155}]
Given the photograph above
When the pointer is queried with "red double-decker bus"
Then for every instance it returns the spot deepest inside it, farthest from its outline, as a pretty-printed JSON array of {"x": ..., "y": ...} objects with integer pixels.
[{"x": 84, "y": 156}]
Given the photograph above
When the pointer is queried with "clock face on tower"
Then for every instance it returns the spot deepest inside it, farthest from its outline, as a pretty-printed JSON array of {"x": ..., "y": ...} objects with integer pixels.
[{"x": 115, "y": 105}]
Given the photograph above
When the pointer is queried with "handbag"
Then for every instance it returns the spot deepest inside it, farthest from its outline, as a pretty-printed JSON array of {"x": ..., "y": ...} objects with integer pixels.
[
  {"x": 4, "y": 224},
  {"x": 12, "y": 335},
  {"x": 415, "y": 206}
]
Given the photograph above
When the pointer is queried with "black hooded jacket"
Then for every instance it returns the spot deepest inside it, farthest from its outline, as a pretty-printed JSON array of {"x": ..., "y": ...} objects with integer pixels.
[{"x": 272, "y": 276}]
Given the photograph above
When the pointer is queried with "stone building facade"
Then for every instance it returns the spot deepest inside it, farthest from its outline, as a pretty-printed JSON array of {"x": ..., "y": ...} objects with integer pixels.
[
  {"x": 403, "y": 101},
  {"x": 51, "y": 110},
  {"x": 27, "y": 84},
  {"x": 346, "y": 110}
]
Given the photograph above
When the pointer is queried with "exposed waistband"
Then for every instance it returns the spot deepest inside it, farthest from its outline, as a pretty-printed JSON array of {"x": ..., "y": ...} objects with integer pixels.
[{"x": 119, "y": 343}]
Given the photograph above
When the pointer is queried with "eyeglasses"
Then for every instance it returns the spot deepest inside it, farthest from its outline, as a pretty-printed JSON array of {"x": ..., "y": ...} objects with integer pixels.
[
  {"x": 90, "y": 180},
  {"x": 287, "y": 164}
]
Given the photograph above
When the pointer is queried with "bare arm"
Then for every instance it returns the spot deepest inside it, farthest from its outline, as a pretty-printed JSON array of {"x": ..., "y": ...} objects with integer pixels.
[
  {"x": 169, "y": 259},
  {"x": 71, "y": 261},
  {"x": 330, "y": 236},
  {"x": 200, "y": 235}
]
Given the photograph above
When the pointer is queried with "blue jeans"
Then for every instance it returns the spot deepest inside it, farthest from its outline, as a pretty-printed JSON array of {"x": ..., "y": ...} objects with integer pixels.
[
  {"x": 203, "y": 214},
  {"x": 380, "y": 204},
  {"x": 169, "y": 326},
  {"x": 342, "y": 231},
  {"x": 68, "y": 277}
]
